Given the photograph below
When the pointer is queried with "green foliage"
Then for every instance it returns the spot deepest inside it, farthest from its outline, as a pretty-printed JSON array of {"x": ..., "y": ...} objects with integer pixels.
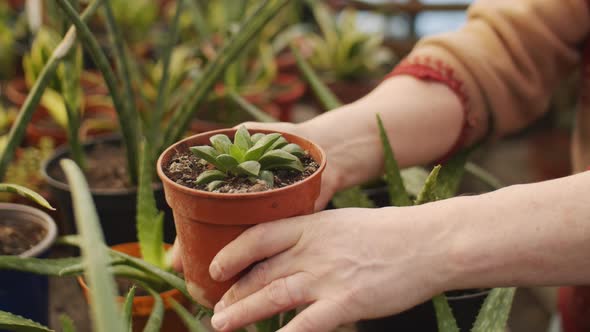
[
  {"x": 26, "y": 193},
  {"x": 353, "y": 197},
  {"x": 193, "y": 324},
  {"x": 444, "y": 315},
  {"x": 135, "y": 17},
  {"x": 341, "y": 51},
  {"x": 250, "y": 156},
  {"x": 494, "y": 313},
  {"x": 128, "y": 308},
  {"x": 157, "y": 315},
  {"x": 67, "y": 325},
  {"x": 17, "y": 323},
  {"x": 150, "y": 221},
  {"x": 95, "y": 254}
]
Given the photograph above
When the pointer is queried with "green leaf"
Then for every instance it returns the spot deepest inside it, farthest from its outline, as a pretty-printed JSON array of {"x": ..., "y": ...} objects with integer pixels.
[
  {"x": 353, "y": 197},
  {"x": 451, "y": 175},
  {"x": 294, "y": 149},
  {"x": 494, "y": 313},
  {"x": 269, "y": 325},
  {"x": 444, "y": 315},
  {"x": 128, "y": 308},
  {"x": 258, "y": 114},
  {"x": 221, "y": 143},
  {"x": 214, "y": 185},
  {"x": 268, "y": 177},
  {"x": 210, "y": 175},
  {"x": 256, "y": 137},
  {"x": 242, "y": 139},
  {"x": 44, "y": 266},
  {"x": 26, "y": 193},
  {"x": 67, "y": 324},
  {"x": 228, "y": 162},
  {"x": 237, "y": 152},
  {"x": 193, "y": 325},
  {"x": 414, "y": 178},
  {"x": 261, "y": 146},
  {"x": 277, "y": 159},
  {"x": 288, "y": 316},
  {"x": 102, "y": 297},
  {"x": 395, "y": 185},
  {"x": 251, "y": 168},
  {"x": 205, "y": 152},
  {"x": 429, "y": 190},
  {"x": 281, "y": 142},
  {"x": 17, "y": 323},
  {"x": 149, "y": 221},
  {"x": 157, "y": 315}
]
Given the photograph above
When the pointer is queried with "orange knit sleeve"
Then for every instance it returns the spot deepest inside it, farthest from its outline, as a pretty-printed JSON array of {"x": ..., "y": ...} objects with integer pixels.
[{"x": 505, "y": 62}]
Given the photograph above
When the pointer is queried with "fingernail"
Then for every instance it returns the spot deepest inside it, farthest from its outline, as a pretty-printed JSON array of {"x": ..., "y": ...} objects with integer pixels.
[
  {"x": 219, "y": 321},
  {"x": 215, "y": 271},
  {"x": 219, "y": 306}
]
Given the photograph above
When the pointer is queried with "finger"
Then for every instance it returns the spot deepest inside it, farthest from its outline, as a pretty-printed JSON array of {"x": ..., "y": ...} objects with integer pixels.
[
  {"x": 173, "y": 258},
  {"x": 278, "y": 296},
  {"x": 322, "y": 316},
  {"x": 255, "y": 244},
  {"x": 257, "y": 278}
]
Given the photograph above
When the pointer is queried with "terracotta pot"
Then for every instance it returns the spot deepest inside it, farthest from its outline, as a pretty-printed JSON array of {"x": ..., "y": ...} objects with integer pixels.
[
  {"x": 291, "y": 90},
  {"x": 143, "y": 305},
  {"x": 574, "y": 308},
  {"x": 206, "y": 222},
  {"x": 43, "y": 125}
]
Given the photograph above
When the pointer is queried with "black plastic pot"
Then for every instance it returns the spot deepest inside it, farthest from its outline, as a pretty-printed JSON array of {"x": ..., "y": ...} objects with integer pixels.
[
  {"x": 116, "y": 207},
  {"x": 422, "y": 317},
  {"x": 22, "y": 293}
]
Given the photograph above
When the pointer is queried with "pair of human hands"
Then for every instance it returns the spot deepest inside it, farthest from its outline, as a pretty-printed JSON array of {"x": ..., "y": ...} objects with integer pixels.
[{"x": 346, "y": 264}]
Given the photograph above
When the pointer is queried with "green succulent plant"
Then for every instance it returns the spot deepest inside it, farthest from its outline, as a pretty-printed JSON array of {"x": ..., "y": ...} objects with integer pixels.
[{"x": 254, "y": 156}]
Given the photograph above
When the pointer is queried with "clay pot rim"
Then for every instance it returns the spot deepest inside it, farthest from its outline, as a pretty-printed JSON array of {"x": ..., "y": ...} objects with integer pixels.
[
  {"x": 38, "y": 217},
  {"x": 227, "y": 196}
]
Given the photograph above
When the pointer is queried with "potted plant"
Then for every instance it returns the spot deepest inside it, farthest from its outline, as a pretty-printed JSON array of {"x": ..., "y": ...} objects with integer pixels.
[
  {"x": 25, "y": 232},
  {"x": 218, "y": 191},
  {"x": 349, "y": 61}
]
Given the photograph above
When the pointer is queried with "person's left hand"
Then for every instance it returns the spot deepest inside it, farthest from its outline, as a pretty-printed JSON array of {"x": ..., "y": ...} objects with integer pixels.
[{"x": 349, "y": 264}]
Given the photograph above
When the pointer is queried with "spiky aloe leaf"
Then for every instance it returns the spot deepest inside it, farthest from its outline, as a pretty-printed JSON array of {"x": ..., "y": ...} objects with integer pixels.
[
  {"x": 414, "y": 178},
  {"x": 353, "y": 197},
  {"x": 444, "y": 315},
  {"x": 261, "y": 146},
  {"x": 227, "y": 161},
  {"x": 149, "y": 221},
  {"x": 397, "y": 191},
  {"x": 94, "y": 253},
  {"x": 250, "y": 168},
  {"x": 206, "y": 153},
  {"x": 294, "y": 149},
  {"x": 17, "y": 323},
  {"x": 128, "y": 308},
  {"x": 26, "y": 193},
  {"x": 242, "y": 139},
  {"x": 157, "y": 315},
  {"x": 277, "y": 159},
  {"x": 429, "y": 190},
  {"x": 45, "y": 266},
  {"x": 494, "y": 313},
  {"x": 268, "y": 177},
  {"x": 67, "y": 324},
  {"x": 221, "y": 143},
  {"x": 210, "y": 175},
  {"x": 193, "y": 325},
  {"x": 451, "y": 174},
  {"x": 258, "y": 114}
]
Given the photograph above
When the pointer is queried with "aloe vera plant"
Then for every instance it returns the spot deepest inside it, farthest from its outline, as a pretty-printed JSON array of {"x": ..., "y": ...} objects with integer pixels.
[{"x": 254, "y": 156}]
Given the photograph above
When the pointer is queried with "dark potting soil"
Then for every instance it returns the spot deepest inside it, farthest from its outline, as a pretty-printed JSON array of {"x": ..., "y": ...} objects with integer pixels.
[
  {"x": 106, "y": 168},
  {"x": 184, "y": 168},
  {"x": 17, "y": 237}
]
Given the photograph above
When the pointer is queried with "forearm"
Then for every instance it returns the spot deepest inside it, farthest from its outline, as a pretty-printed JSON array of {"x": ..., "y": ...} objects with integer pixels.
[
  {"x": 423, "y": 121},
  {"x": 535, "y": 234}
]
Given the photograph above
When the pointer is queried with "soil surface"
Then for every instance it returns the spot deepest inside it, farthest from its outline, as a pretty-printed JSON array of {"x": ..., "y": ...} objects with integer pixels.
[
  {"x": 17, "y": 236},
  {"x": 106, "y": 168},
  {"x": 184, "y": 168}
]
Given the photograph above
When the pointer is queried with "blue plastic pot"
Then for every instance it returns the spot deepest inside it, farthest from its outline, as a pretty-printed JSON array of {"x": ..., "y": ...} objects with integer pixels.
[{"x": 22, "y": 293}]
